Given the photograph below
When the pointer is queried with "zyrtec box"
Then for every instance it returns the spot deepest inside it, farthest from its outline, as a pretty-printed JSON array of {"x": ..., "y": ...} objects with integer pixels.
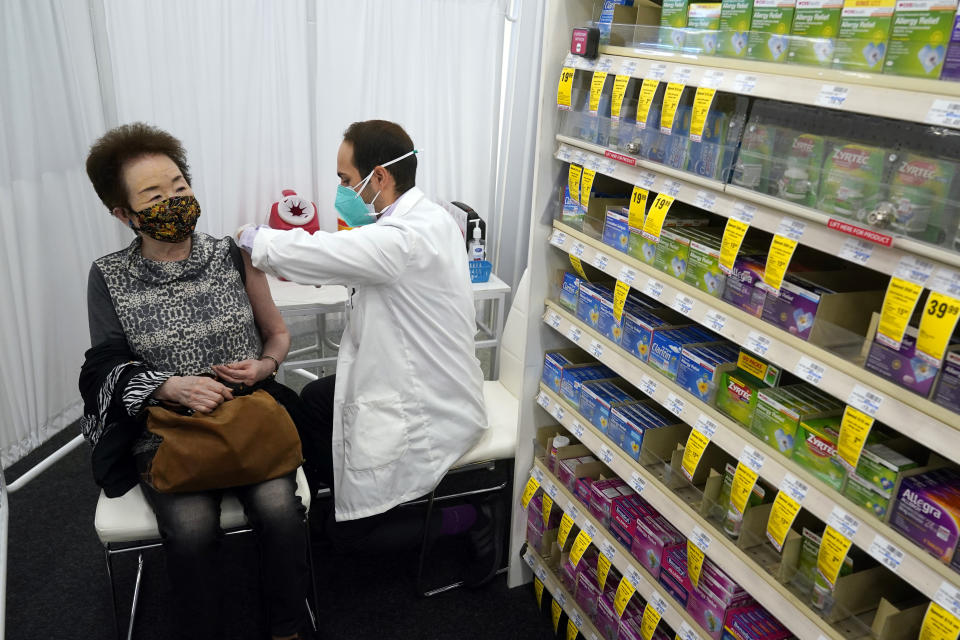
[{"x": 919, "y": 37}]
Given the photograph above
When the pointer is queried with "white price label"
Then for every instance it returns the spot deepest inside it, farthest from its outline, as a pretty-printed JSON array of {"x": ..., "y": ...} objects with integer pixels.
[
  {"x": 595, "y": 162},
  {"x": 706, "y": 200},
  {"x": 889, "y": 554},
  {"x": 715, "y": 320},
  {"x": 657, "y": 70},
  {"x": 752, "y": 458},
  {"x": 554, "y": 319},
  {"x": 558, "y": 239},
  {"x": 948, "y": 597},
  {"x": 914, "y": 269},
  {"x": 541, "y": 573},
  {"x": 743, "y": 212},
  {"x": 946, "y": 281},
  {"x": 865, "y": 399},
  {"x": 657, "y": 602},
  {"x": 809, "y": 370},
  {"x": 577, "y": 429},
  {"x": 654, "y": 288},
  {"x": 856, "y": 250},
  {"x": 648, "y": 385},
  {"x": 945, "y": 113},
  {"x": 647, "y": 179},
  {"x": 832, "y": 95},
  {"x": 596, "y": 349},
  {"x": 570, "y": 60},
  {"x": 574, "y": 333},
  {"x": 543, "y": 400},
  {"x": 791, "y": 228},
  {"x": 572, "y": 510},
  {"x": 558, "y": 412},
  {"x": 628, "y": 67},
  {"x": 565, "y": 153},
  {"x": 675, "y": 404},
  {"x": 671, "y": 187},
  {"x": 633, "y": 577},
  {"x": 683, "y": 304},
  {"x": 605, "y": 64},
  {"x": 529, "y": 559},
  {"x": 600, "y": 260},
  {"x": 538, "y": 474},
  {"x": 577, "y": 619},
  {"x": 712, "y": 79},
  {"x": 606, "y": 548},
  {"x": 686, "y": 632},
  {"x": 637, "y": 483},
  {"x": 700, "y": 538},
  {"x": 744, "y": 83},
  {"x": 758, "y": 343},
  {"x": 843, "y": 522},
  {"x": 608, "y": 167},
  {"x": 794, "y": 487},
  {"x": 577, "y": 249},
  {"x": 681, "y": 75},
  {"x": 591, "y": 530},
  {"x": 552, "y": 489},
  {"x": 606, "y": 454},
  {"x": 627, "y": 275},
  {"x": 560, "y": 598},
  {"x": 706, "y": 426}
]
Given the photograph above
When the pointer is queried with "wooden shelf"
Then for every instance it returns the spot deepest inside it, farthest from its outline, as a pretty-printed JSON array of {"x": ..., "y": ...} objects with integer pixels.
[{"x": 929, "y": 576}]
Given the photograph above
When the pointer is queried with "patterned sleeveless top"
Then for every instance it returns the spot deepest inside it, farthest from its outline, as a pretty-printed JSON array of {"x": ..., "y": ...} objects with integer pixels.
[{"x": 183, "y": 316}]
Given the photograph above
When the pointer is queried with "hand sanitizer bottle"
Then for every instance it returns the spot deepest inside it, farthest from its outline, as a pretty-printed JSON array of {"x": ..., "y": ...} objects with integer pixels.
[{"x": 478, "y": 250}]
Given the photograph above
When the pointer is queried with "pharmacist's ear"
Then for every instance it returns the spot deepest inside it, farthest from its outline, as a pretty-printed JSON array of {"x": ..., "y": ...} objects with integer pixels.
[{"x": 384, "y": 178}]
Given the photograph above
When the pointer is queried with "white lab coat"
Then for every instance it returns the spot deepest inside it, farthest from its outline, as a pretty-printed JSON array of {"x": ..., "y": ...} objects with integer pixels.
[{"x": 409, "y": 393}]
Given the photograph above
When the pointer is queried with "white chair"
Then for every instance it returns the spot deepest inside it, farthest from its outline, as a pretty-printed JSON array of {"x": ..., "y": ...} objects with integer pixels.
[
  {"x": 500, "y": 440},
  {"x": 127, "y": 524}
]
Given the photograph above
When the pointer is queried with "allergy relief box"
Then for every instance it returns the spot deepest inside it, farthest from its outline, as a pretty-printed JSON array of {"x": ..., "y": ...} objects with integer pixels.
[
  {"x": 815, "y": 27},
  {"x": 629, "y": 423},
  {"x": 616, "y": 230},
  {"x": 902, "y": 366},
  {"x": 862, "y": 39},
  {"x": 947, "y": 393},
  {"x": 701, "y": 367},
  {"x": 735, "y": 16},
  {"x": 927, "y": 511},
  {"x": 779, "y": 411},
  {"x": 667, "y": 345},
  {"x": 737, "y": 389},
  {"x": 597, "y": 397},
  {"x": 703, "y": 21},
  {"x": 815, "y": 449},
  {"x": 640, "y": 324},
  {"x": 852, "y": 179},
  {"x": 919, "y": 37},
  {"x": 570, "y": 291},
  {"x": 770, "y": 30},
  {"x": 673, "y": 16}
]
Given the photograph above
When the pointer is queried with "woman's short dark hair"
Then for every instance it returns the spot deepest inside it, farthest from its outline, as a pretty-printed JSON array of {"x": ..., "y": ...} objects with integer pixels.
[
  {"x": 122, "y": 144},
  {"x": 378, "y": 141}
]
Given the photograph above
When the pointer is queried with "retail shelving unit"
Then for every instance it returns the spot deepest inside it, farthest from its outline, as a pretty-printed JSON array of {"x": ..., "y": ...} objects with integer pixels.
[{"x": 553, "y": 243}]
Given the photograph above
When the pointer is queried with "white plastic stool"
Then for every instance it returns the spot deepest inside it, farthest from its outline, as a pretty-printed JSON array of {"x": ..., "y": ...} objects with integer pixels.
[{"x": 127, "y": 524}]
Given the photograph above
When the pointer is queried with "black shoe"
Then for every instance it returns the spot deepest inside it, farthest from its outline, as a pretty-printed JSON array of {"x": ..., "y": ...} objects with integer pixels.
[{"x": 486, "y": 537}]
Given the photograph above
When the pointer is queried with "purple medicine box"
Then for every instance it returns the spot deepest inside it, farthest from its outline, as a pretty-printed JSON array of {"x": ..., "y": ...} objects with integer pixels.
[
  {"x": 795, "y": 308},
  {"x": 927, "y": 511},
  {"x": 902, "y": 366},
  {"x": 744, "y": 286},
  {"x": 947, "y": 393},
  {"x": 951, "y": 64}
]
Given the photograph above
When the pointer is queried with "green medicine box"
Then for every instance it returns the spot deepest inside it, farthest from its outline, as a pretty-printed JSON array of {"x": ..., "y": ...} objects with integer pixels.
[
  {"x": 673, "y": 19},
  {"x": 737, "y": 390},
  {"x": 919, "y": 37},
  {"x": 703, "y": 263},
  {"x": 815, "y": 27},
  {"x": 703, "y": 21},
  {"x": 673, "y": 250},
  {"x": 816, "y": 450},
  {"x": 770, "y": 30},
  {"x": 735, "y": 16},
  {"x": 862, "y": 39},
  {"x": 778, "y": 414},
  {"x": 866, "y": 495},
  {"x": 880, "y": 466}
]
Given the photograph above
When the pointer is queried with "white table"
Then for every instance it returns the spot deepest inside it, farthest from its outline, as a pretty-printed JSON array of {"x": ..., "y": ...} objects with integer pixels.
[{"x": 294, "y": 299}]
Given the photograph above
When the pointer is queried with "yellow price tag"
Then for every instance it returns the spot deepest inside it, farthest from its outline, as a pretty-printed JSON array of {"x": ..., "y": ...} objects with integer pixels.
[
  {"x": 555, "y": 611},
  {"x": 538, "y": 590},
  {"x": 596, "y": 88},
  {"x": 701, "y": 109},
  {"x": 782, "y": 515},
  {"x": 574, "y": 174},
  {"x": 939, "y": 624},
  {"x": 733, "y": 235},
  {"x": 743, "y": 481},
  {"x": 625, "y": 591},
  {"x": 898, "y": 306},
  {"x": 578, "y": 267},
  {"x": 696, "y": 444},
  {"x": 603, "y": 570},
  {"x": 854, "y": 429},
  {"x": 657, "y": 214},
  {"x": 694, "y": 563},
  {"x": 572, "y": 630},
  {"x": 620, "y": 292},
  {"x": 586, "y": 184},
  {"x": 651, "y": 618},
  {"x": 566, "y": 523},
  {"x": 833, "y": 551},
  {"x": 619, "y": 90},
  {"x": 647, "y": 91},
  {"x": 671, "y": 100},
  {"x": 546, "y": 509},
  {"x": 936, "y": 326},
  {"x": 532, "y": 485},
  {"x": 565, "y": 87},
  {"x": 638, "y": 207},
  {"x": 580, "y": 545},
  {"x": 778, "y": 259}
]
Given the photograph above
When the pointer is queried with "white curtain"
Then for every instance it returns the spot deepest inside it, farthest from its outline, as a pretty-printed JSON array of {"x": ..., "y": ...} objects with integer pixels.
[
  {"x": 51, "y": 223},
  {"x": 229, "y": 79},
  {"x": 433, "y": 66}
]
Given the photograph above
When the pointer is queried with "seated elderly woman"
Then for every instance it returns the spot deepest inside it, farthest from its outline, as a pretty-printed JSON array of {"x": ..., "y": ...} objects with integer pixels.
[{"x": 181, "y": 320}]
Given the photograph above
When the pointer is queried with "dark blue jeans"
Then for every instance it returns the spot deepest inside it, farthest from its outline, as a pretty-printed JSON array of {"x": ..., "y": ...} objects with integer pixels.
[{"x": 190, "y": 526}]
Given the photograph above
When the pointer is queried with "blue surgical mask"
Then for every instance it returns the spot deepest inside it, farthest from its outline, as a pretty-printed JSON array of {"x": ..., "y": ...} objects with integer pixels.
[{"x": 350, "y": 205}]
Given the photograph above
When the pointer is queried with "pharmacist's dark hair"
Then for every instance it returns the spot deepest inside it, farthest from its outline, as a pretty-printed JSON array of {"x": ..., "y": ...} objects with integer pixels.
[
  {"x": 122, "y": 144},
  {"x": 378, "y": 141}
]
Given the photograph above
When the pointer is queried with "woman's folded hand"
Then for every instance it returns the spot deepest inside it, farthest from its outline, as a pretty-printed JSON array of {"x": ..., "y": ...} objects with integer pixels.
[
  {"x": 199, "y": 393},
  {"x": 246, "y": 372}
]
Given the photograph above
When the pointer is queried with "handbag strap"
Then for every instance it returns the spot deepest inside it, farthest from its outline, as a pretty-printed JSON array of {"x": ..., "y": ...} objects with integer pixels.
[{"x": 237, "y": 258}]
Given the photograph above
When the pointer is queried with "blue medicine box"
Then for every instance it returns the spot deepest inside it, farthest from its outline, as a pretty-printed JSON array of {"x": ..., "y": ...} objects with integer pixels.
[
  {"x": 570, "y": 291},
  {"x": 667, "y": 345},
  {"x": 632, "y": 421},
  {"x": 701, "y": 366},
  {"x": 575, "y": 375},
  {"x": 598, "y": 396},
  {"x": 608, "y": 325},
  {"x": 616, "y": 230},
  {"x": 589, "y": 301},
  {"x": 639, "y": 325}
]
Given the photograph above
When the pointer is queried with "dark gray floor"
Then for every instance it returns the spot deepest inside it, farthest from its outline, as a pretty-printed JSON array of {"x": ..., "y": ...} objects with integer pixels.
[{"x": 57, "y": 585}]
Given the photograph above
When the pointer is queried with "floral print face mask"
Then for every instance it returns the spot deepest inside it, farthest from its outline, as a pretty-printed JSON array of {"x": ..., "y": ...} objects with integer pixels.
[{"x": 171, "y": 220}]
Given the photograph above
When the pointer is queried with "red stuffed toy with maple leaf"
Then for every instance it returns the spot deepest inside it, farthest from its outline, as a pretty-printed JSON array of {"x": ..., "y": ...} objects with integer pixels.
[{"x": 294, "y": 212}]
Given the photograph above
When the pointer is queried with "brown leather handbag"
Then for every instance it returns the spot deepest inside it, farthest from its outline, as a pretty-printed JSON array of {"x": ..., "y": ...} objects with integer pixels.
[{"x": 243, "y": 441}]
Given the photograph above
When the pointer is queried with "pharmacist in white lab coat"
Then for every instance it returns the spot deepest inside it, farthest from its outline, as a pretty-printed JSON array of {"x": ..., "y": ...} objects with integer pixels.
[{"x": 406, "y": 401}]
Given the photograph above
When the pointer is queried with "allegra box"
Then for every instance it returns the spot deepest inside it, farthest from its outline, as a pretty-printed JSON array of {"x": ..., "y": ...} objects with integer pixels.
[
  {"x": 927, "y": 511},
  {"x": 947, "y": 392},
  {"x": 744, "y": 287}
]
